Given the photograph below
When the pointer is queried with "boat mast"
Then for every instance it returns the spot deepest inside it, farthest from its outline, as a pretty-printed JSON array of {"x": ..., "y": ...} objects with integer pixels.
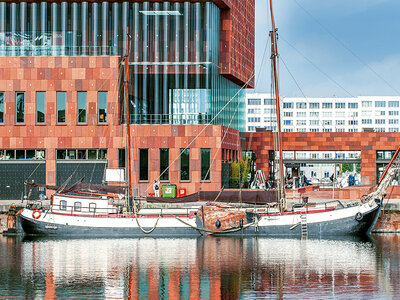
[
  {"x": 274, "y": 57},
  {"x": 128, "y": 131}
]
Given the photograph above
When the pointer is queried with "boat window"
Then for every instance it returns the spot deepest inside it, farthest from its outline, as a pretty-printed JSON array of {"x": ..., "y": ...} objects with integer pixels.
[
  {"x": 63, "y": 205},
  {"x": 77, "y": 206},
  {"x": 92, "y": 207}
]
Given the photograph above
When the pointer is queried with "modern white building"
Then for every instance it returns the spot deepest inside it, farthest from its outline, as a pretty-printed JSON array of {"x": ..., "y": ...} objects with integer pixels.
[
  {"x": 372, "y": 113},
  {"x": 363, "y": 113}
]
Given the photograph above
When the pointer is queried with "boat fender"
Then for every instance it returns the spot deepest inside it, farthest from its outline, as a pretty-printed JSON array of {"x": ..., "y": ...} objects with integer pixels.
[
  {"x": 359, "y": 216},
  {"x": 241, "y": 222},
  {"x": 218, "y": 224},
  {"x": 36, "y": 214}
]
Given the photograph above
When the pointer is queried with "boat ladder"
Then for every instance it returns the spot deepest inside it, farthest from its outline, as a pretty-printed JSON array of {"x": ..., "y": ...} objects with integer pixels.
[{"x": 303, "y": 222}]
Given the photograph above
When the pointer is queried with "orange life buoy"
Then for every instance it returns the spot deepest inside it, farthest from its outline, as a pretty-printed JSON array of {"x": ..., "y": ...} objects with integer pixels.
[{"x": 36, "y": 214}]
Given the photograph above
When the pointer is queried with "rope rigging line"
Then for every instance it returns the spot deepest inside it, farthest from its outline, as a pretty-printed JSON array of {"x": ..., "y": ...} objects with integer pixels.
[
  {"x": 348, "y": 49},
  {"x": 204, "y": 128}
]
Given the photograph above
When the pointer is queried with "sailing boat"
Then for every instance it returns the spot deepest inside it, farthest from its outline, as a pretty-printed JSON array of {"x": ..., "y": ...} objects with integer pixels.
[{"x": 76, "y": 212}]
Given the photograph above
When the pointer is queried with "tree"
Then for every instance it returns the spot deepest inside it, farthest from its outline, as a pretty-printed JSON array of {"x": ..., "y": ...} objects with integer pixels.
[{"x": 240, "y": 171}]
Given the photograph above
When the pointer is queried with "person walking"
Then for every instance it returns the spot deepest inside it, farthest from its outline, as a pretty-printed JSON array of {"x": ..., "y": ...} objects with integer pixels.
[{"x": 156, "y": 188}]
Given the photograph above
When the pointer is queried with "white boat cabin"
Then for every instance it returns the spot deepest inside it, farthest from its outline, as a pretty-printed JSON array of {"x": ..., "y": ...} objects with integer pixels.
[{"x": 81, "y": 204}]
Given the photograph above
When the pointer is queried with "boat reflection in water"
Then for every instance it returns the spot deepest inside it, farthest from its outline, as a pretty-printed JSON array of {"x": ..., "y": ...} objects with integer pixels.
[{"x": 200, "y": 268}]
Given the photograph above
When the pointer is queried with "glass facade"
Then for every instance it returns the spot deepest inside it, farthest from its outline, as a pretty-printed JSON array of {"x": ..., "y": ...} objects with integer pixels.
[{"x": 174, "y": 52}]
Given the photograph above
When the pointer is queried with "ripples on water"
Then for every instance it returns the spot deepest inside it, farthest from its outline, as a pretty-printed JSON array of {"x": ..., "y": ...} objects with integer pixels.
[{"x": 200, "y": 268}]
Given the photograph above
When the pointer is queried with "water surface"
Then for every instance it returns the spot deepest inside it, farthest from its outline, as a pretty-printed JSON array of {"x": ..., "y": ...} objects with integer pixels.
[{"x": 200, "y": 268}]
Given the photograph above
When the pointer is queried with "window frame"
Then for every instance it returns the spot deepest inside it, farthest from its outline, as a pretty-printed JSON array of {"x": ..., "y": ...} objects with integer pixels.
[
  {"x": 164, "y": 167},
  {"x": 99, "y": 121},
  {"x": 57, "y": 107},
  {"x": 16, "y": 108},
  {"x": 207, "y": 175},
  {"x": 140, "y": 165},
  {"x": 37, "y": 111},
  {"x": 183, "y": 150},
  {"x": 77, "y": 108}
]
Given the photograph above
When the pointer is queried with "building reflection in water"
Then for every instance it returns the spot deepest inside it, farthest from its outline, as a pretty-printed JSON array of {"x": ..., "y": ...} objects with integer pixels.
[{"x": 200, "y": 268}]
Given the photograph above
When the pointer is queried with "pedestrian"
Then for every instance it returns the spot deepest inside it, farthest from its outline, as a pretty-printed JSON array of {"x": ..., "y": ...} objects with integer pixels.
[{"x": 156, "y": 188}]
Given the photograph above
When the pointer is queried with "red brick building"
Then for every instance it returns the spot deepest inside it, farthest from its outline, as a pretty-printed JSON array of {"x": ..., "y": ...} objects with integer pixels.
[{"x": 61, "y": 95}]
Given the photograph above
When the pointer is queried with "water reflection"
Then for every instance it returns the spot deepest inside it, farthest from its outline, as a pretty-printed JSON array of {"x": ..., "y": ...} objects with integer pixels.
[{"x": 200, "y": 268}]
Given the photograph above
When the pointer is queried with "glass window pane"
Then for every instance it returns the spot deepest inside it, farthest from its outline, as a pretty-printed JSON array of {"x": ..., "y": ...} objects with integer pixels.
[
  {"x": 1, "y": 107},
  {"x": 20, "y": 107},
  {"x": 10, "y": 154},
  {"x": 71, "y": 154},
  {"x": 20, "y": 154},
  {"x": 61, "y": 154},
  {"x": 102, "y": 107},
  {"x": 103, "y": 154},
  {"x": 61, "y": 106},
  {"x": 82, "y": 107},
  {"x": 92, "y": 154},
  {"x": 205, "y": 163},
  {"x": 81, "y": 154},
  {"x": 164, "y": 163},
  {"x": 185, "y": 164},
  {"x": 121, "y": 158},
  {"x": 30, "y": 154},
  {"x": 40, "y": 107},
  {"x": 143, "y": 164}
]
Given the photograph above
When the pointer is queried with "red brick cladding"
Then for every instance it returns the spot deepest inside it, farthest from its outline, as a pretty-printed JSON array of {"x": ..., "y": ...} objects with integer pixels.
[
  {"x": 366, "y": 142},
  {"x": 52, "y": 74}
]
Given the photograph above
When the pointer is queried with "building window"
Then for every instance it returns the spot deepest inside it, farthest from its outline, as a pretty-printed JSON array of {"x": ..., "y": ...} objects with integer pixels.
[
  {"x": 393, "y": 129},
  {"x": 164, "y": 164},
  {"x": 314, "y": 105},
  {"x": 340, "y": 114},
  {"x": 288, "y": 105},
  {"x": 393, "y": 113},
  {"x": 20, "y": 107},
  {"x": 327, "y": 114},
  {"x": 314, "y": 130},
  {"x": 366, "y": 121},
  {"x": 121, "y": 158},
  {"x": 380, "y": 103},
  {"x": 340, "y": 122},
  {"x": 353, "y": 105},
  {"x": 185, "y": 164},
  {"x": 81, "y": 154},
  {"x": 77, "y": 206},
  {"x": 327, "y": 105},
  {"x": 269, "y": 101},
  {"x": 393, "y": 103},
  {"x": 366, "y": 103},
  {"x": 380, "y": 121},
  {"x": 205, "y": 163},
  {"x": 251, "y": 128},
  {"x": 393, "y": 121},
  {"x": 254, "y": 101},
  {"x": 92, "y": 207},
  {"x": 63, "y": 205},
  {"x": 40, "y": 107},
  {"x": 301, "y": 114},
  {"x": 144, "y": 164},
  {"x": 288, "y": 114},
  {"x": 314, "y": 122},
  {"x": 102, "y": 107},
  {"x": 82, "y": 102},
  {"x": 353, "y": 122},
  {"x": 301, "y": 122},
  {"x": 340, "y": 105},
  {"x": 301, "y": 105},
  {"x": 61, "y": 107},
  {"x": 288, "y": 122},
  {"x": 314, "y": 114},
  {"x": 1, "y": 107},
  {"x": 327, "y": 122}
]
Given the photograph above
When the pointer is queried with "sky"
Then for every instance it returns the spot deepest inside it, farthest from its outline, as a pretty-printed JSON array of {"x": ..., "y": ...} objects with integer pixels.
[{"x": 340, "y": 48}]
